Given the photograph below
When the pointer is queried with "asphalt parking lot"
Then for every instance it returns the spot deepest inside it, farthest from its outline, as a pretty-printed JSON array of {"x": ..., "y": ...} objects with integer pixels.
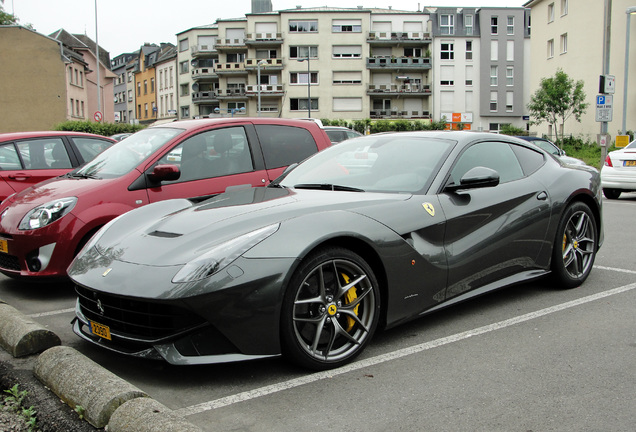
[{"x": 528, "y": 358}]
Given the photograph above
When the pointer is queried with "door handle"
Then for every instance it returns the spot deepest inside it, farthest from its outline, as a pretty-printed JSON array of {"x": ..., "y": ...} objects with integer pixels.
[
  {"x": 19, "y": 176},
  {"x": 542, "y": 196}
]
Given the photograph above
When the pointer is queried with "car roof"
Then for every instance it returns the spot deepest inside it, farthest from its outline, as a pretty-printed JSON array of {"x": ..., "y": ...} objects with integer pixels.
[
  {"x": 190, "y": 125},
  {"x": 43, "y": 134}
]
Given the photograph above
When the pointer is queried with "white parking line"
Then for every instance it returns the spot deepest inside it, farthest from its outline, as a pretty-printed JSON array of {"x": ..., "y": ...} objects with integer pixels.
[
  {"x": 55, "y": 312},
  {"x": 274, "y": 388}
]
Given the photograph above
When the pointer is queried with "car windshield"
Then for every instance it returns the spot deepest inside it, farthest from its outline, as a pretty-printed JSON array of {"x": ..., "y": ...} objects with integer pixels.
[
  {"x": 631, "y": 145},
  {"x": 376, "y": 163},
  {"x": 125, "y": 155}
]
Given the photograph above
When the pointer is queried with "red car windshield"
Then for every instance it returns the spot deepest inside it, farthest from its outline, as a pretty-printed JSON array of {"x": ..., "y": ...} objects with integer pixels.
[{"x": 125, "y": 155}]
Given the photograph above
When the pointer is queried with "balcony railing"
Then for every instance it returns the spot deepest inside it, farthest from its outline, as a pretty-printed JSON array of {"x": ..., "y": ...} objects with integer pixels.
[
  {"x": 232, "y": 93},
  {"x": 379, "y": 114},
  {"x": 229, "y": 68},
  {"x": 378, "y": 36},
  {"x": 202, "y": 73},
  {"x": 419, "y": 89},
  {"x": 389, "y": 62},
  {"x": 266, "y": 90},
  {"x": 203, "y": 49},
  {"x": 263, "y": 38},
  {"x": 204, "y": 96},
  {"x": 274, "y": 63},
  {"x": 230, "y": 43}
]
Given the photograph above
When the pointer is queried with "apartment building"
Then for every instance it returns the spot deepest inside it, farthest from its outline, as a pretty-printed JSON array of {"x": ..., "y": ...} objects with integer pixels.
[
  {"x": 166, "y": 74},
  {"x": 357, "y": 63},
  {"x": 569, "y": 35},
  {"x": 118, "y": 67},
  {"x": 144, "y": 73}
]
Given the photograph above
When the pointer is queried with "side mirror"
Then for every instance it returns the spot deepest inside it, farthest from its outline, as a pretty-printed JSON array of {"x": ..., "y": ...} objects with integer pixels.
[
  {"x": 164, "y": 173},
  {"x": 478, "y": 177}
]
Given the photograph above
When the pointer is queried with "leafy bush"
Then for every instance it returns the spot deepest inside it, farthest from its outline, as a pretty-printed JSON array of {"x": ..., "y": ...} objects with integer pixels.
[{"x": 105, "y": 129}]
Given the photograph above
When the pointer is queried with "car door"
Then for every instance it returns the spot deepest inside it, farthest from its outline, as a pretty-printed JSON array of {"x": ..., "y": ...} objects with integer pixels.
[
  {"x": 211, "y": 162},
  {"x": 494, "y": 232},
  {"x": 27, "y": 162}
]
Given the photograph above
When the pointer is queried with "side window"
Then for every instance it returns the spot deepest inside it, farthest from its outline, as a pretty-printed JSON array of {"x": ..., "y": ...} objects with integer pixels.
[
  {"x": 90, "y": 147},
  {"x": 498, "y": 156},
  {"x": 285, "y": 145},
  {"x": 215, "y": 153},
  {"x": 530, "y": 160},
  {"x": 9, "y": 160},
  {"x": 44, "y": 154}
]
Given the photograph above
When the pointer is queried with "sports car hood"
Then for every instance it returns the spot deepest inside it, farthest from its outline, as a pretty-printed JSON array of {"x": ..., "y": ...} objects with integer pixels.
[{"x": 175, "y": 232}]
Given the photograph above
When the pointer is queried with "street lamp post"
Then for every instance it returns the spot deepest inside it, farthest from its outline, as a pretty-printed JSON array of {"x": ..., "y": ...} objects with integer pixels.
[
  {"x": 260, "y": 63},
  {"x": 308, "y": 82},
  {"x": 630, "y": 10}
]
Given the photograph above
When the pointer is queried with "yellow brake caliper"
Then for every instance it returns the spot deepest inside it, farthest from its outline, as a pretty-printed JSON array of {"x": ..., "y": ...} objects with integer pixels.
[{"x": 349, "y": 298}]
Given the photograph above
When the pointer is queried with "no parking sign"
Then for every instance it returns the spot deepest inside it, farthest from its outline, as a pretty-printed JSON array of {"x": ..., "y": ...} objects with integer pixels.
[{"x": 98, "y": 116}]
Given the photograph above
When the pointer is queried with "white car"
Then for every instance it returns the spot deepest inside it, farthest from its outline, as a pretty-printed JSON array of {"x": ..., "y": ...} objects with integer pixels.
[{"x": 618, "y": 174}]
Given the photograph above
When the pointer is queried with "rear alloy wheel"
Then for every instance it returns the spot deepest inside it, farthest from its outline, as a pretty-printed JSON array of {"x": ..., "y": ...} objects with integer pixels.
[
  {"x": 612, "y": 193},
  {"x": 575, "y": 246},
  {"x": 330, "y": 310}
]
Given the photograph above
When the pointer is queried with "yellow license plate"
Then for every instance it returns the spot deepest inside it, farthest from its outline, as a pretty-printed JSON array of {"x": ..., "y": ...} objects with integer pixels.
[
  {"x": 100, "y": 330},
  {"x": 4, "y": 246},
  {"x": 630, "y": 163}
]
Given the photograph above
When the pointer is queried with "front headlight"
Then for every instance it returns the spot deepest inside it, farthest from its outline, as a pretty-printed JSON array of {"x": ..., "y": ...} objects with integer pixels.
[
  {"x": 222, "y": 255},
  {"x": 48, "y": 213}
]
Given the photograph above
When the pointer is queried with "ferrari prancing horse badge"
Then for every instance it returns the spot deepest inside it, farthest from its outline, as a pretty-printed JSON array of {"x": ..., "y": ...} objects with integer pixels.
[{"x": 429, "y": 208}]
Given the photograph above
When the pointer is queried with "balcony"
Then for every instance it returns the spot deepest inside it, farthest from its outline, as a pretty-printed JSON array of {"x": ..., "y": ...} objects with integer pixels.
[
  {"x": 399, "y": 89},
  {"x": 272, "y": 64},
  {"x": 232, "y": 94},
  {"x": 204, "y": 97},
  {"x": 267, "y": 90},
  {"x": 264, "y": 39},
  {"x": 399, "y": 38},
  {"x": 231, "y": 44},
  {"x": 230, "y": 69},
  {"x": 203, "y": 50},
  {"x": 391, "y": 114},
  {"x": 395, "y": 63},
  {"x": 206, "y": 73}
]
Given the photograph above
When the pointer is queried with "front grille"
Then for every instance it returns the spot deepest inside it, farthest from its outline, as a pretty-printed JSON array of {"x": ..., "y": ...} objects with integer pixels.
[
  {"x": 135, "y": 318},
  {"x": 9, "y": 262}
]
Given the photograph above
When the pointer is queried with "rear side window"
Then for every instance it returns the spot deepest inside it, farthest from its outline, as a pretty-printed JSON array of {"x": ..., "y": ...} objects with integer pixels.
[
  {"x": 530, "y": 160},
  {"x": 44, "y": 154},
  {"x": 285, "y": 145},
  {"x": 90, "y": 147},
  {"x": 9, "y": 159}
]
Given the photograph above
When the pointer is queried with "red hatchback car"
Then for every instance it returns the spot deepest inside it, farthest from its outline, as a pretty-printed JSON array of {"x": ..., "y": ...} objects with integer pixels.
[
  {"x": 42, "y": 228},
  {"x": 27, "y": 158}
]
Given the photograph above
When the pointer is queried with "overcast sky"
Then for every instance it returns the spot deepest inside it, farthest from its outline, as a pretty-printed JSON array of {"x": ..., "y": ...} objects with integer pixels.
[{"x": 124, "y": 25}]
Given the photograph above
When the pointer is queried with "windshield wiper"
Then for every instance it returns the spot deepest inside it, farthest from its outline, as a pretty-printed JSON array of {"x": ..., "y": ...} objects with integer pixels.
[
  {"x": 82, "y": 175},
  {"x": 327, "y": 186}
]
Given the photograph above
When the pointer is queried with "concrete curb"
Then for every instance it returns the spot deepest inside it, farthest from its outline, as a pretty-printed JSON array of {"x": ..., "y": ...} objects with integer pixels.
[
  {"x": 79, "y": 381},
  {"x": 21, "y": 336},
  {"x": 147, "y": 415}
]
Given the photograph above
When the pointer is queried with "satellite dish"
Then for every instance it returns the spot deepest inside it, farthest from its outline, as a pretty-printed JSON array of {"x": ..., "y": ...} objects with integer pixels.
[
  {"x": 195, "y": 87},
  {"x": 194, "y": 62}
]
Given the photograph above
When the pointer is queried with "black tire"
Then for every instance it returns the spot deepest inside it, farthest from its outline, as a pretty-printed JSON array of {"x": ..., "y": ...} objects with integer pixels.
[
  {"x": 612, "y": 193},
  {"x": 575, "y": 246},
  {"x": 330, "y": 309}
]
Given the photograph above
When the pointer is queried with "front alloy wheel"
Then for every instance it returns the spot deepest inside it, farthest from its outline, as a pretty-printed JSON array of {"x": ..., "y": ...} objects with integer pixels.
[
  {"x": 575, "y": 247},
  {"x": 330, "y": 310}
]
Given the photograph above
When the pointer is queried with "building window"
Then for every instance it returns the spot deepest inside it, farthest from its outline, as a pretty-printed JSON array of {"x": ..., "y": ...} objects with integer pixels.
[
  {"x": 551, "y": 12},
  {"x": 446, "y": 51},
  {"x": 347, "y": 51},
  {"x": 70, "y": 74},
  {"x": 303, "y": 26},
  {"x": 301, "y": 77},
  {"x": 509, "y": 101},
  {"x": 170, "y": 76},
  {"x": 510, "y": 76},
  {"x": 346, "y": 26},
  {"x": 510, "y": 50},
  {"x": 145, "y": 87},
  {"x": 447, "y": 75},
  {"x": 494, "y": 27},
  {"x": 564, "y": 43},
  {"x": 347, "y": 77},
  {"x": 138, "y": 89},
  {"x": 469, "y": 75},
  {"x": 183, "y": 45},
  {"x": 236, "y": 106},
  {"x": 347, "y": 104},
  {"x": 152, "y": 85},
  {"x": 468, "y": 25},
  {"x": 185, "y": 111},
  {"x": 296, "y": 52},
  {"x": 183, "y": 67},
  {"x": 412, "y": 52},
  {"x": 469, "y": 50},
  {"x": 493, "y": 101},
  {"x": 493, "y": 75},
  {"x": 130, "y": 95},
  {"x": 81, "y": 83},
  {"x": 494, "y": 50},
  {"x": 447, "y": 24},
  {"x": 130, "y": 76},
  {"x": 510, "y": 27},
  {"x": 184, "y": 89},
  {"x": 146, "y": 110},
  {"x": 154, "y": 109},
  {"x": 300, "y": 104},
  {"x": 551, "y": 48},
  {"x": 139, "y": 111},
  {"x": 564, "y": 7}
]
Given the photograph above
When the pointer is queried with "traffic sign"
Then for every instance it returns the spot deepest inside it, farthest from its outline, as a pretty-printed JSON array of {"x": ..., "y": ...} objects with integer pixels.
[
  {"x": 98, "y": 116},
  {"x": 604, "y": 108}
]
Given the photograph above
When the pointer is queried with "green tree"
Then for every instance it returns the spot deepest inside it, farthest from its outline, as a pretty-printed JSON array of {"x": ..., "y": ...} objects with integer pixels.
[
  {"x": 557, "y": 99},
  {"x": 5, "y": 17}
]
